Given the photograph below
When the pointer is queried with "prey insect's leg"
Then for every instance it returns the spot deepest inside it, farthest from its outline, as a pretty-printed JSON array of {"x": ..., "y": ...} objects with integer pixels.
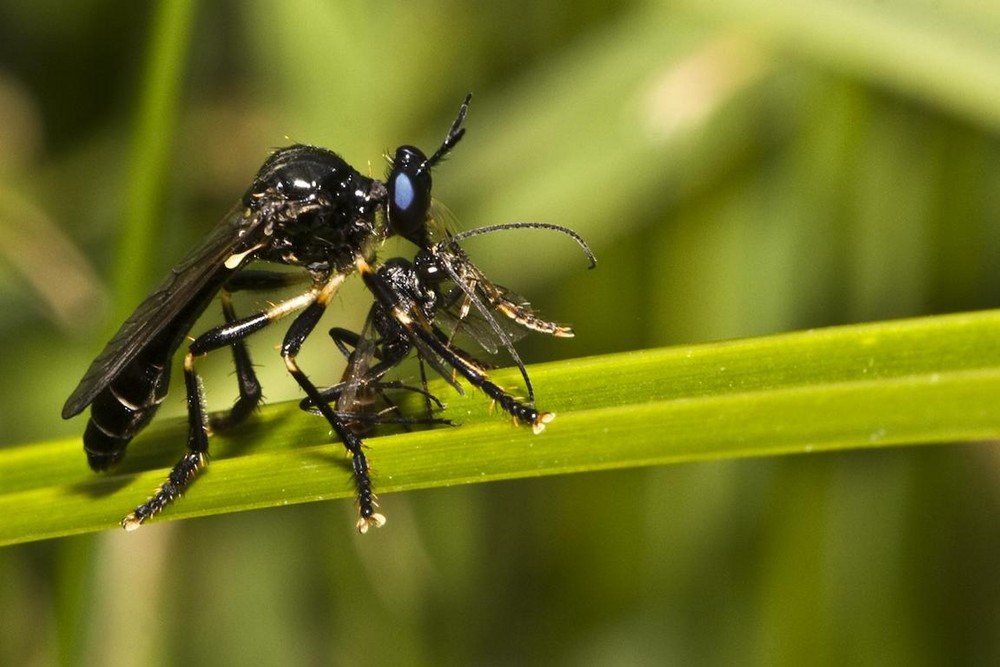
[
  {"x": 389, "y": 355},
  {"x": 473, "y": 372},
  {"x": 342, "y": 338},
  {"x": 369, "y": 378},
  {"x": 297, "y": 333},
  {"x": 224, "y": 335}
]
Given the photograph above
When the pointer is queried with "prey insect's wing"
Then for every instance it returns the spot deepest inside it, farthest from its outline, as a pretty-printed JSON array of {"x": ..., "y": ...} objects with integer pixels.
[
  {"x": 181, "y": 295},
  {"x": 458, "y": 320},
  {"x": 358, "y": 378},
  {"x": 470, "y": 280},
  {"x": 515, "y": 308},
  {"x": 488, "y": 297}
]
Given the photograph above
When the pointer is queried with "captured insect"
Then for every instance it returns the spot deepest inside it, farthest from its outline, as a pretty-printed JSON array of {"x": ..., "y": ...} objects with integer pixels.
[
  {"x": 413, "y": 300},
  {"x": 445, "y": 263},
  {"x": 419, "y": 289},
  {"x": 410, "y": 299},
  {"x": 306, "y": 208}
]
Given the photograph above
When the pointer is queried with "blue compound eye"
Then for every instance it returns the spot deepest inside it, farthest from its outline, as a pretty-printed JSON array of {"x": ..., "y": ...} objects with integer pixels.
[
  {"x": 402, "y": 193},
  {"x": 409, "y": 185}
]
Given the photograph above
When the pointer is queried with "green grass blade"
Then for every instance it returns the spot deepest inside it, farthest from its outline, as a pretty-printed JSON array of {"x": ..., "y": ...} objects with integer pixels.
[{"x": 928, "y": 380}]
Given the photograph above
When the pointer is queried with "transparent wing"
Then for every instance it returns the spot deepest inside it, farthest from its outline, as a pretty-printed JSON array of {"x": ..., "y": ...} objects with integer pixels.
[
  {"x": 488, "y": 298},
  {"x": 458, "y": 320},
  {"x": 356, "y": 387}
]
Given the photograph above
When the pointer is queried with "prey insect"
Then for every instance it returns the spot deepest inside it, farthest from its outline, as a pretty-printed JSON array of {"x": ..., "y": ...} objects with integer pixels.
[
  {"x": 440, "y": 286},
  {"x": 414, "y": 293},
  {"x": 411, "y": 298}
]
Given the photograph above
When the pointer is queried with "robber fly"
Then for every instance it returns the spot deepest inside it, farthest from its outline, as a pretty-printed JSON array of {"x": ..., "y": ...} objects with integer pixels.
[{"x": 306, "y": 208}]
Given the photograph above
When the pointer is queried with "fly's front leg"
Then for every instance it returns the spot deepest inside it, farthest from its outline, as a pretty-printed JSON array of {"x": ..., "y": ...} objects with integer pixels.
[
  {"x": 297, "y": 333},
  {"x": 187, "y": 468}
]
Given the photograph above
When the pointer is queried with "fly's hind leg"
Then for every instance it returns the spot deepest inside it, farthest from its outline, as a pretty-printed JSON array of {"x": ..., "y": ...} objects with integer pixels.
[{"x": 229, "y": 334}]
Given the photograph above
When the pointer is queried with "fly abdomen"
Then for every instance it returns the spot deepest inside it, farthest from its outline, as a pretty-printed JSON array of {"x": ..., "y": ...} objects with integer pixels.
[{"x": 122, "y": 409}]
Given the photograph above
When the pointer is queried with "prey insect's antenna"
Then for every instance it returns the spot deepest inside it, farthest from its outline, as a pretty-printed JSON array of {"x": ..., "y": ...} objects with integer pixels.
[{"x": 458, "y": 236}]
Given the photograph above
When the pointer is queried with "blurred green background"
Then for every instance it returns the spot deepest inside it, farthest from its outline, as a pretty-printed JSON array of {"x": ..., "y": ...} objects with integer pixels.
[{"x": 741, "y": 168}]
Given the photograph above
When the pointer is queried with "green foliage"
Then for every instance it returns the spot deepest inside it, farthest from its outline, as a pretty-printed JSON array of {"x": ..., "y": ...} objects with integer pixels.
[{"x": 921, "y": 381}]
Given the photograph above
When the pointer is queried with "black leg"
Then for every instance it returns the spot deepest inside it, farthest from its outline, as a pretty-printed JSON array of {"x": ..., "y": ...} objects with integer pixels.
[
  {"x": 361, "y": 386},
  {"x": 297, "y": 333},
  {"x": 185, "y": 470},
  {"x": 474, "y": 373},
  {"x": 360, "y": 377},
  {"x": 344, "y": 337},
  {"x": 250, "y": 393}
]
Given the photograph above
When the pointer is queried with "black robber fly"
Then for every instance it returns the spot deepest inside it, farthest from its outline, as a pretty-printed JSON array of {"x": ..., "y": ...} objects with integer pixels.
[{"x": 307, "y": 208}]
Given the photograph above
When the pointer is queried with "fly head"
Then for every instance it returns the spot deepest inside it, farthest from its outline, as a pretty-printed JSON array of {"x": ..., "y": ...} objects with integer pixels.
[{"x": 409, "y": 184}]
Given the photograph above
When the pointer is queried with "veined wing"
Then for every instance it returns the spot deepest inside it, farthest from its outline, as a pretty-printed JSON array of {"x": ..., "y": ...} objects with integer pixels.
[{"x": 357, "y": 378}]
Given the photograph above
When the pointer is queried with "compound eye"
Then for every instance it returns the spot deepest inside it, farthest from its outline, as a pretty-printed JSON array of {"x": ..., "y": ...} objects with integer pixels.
[
  {"x": 403, "y": 193},
  {"x": 409, "y": 195}
]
